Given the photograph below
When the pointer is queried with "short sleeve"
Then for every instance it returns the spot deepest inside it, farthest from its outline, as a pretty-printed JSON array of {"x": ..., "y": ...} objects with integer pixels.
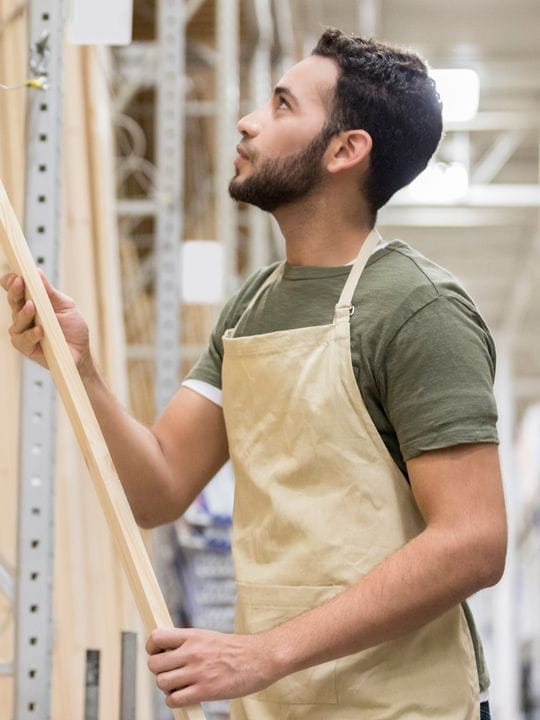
[{"x": 437, "y": 378}]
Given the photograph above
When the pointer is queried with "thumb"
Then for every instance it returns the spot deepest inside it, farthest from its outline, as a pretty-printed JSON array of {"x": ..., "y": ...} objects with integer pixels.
[{"x": 58, "y": 300}]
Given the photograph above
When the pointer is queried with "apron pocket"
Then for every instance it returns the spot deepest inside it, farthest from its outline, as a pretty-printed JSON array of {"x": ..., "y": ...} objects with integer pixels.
[{"x": 262, "y": 607}]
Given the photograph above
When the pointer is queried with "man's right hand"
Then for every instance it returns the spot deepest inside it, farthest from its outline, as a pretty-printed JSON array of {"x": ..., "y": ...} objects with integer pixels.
[{"x": 26, "y": 335}]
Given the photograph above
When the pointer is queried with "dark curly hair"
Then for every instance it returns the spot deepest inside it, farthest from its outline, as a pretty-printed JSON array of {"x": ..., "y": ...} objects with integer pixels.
[{"x": 386, "y": 91}]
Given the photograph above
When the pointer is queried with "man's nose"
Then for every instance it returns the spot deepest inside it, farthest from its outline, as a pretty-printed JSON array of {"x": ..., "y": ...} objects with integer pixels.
[{"x": 248, "y": 126}]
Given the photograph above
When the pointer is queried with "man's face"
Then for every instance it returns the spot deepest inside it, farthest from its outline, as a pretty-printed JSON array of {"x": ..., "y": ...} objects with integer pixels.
[{"x": 280, "y": 155}]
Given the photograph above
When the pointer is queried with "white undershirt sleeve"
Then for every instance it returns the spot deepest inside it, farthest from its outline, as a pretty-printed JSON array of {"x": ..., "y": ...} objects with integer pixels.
[{"x": 206, "y": 390}]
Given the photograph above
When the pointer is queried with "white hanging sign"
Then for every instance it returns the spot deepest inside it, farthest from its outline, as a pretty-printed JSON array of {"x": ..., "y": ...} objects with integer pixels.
[
  {"x": 202, "y": 271},
  {"x": 100, "y": 22}
]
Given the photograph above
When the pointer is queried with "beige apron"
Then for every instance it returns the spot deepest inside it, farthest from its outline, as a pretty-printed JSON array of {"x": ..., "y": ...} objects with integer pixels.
[{"x": 319, "y": 502}]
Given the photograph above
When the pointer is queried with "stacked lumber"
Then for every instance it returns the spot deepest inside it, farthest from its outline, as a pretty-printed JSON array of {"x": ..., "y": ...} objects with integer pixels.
[
  {"x": 139, "y": 318},
  {"x": 12, "y": 113}
]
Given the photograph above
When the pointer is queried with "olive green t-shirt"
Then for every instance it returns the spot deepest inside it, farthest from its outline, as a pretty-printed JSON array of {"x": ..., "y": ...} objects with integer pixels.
[{"x": 423, "y": 357}]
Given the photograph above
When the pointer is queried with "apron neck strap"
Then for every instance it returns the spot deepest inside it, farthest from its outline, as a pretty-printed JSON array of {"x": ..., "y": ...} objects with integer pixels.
[
  {"x": 344, "y": 305},
  {"x": 359, "y": 264}
]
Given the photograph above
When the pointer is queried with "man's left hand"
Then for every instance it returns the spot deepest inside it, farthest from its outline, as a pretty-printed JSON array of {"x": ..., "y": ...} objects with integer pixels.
[{"x": 193, "y": 666}]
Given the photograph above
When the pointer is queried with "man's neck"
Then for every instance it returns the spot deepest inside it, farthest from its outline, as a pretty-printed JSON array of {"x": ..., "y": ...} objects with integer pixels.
[{"x": 321, "y": 237}]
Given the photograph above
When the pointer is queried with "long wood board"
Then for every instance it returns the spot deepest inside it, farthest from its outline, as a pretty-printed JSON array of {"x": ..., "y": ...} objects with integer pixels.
[{"x": 135, "y": 560}]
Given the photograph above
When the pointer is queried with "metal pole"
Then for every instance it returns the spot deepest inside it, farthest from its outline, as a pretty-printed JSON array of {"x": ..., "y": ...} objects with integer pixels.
[
  {"x": 34, "y": 641},
  {"x": 128, "y": 676},
  {"x": 170, "y": 163},
  {"x": 91, "y": 696},
  {"x": 260, "y": 84},
  {"x": 504, "y": 691},
  {"x": 169, "y": 133},
  {"x": 227, "y": 96},
  {"x": 369, "y": 17},
  {"x": 285, "y": 33}
]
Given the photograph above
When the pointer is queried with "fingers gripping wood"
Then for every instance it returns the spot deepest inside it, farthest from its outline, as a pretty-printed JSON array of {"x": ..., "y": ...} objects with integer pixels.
[{"x": 136, "y": 562}]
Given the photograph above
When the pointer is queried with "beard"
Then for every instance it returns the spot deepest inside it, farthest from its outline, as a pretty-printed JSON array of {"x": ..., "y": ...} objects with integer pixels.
[{"x": 282, "y": 181}]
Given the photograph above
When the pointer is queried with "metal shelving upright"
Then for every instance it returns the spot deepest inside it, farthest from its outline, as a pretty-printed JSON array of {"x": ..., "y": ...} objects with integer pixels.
[
  {"x": 228, "y": 103},
  {"x": 32, "y": 664},
  {"x": 169, "y": 141},
  {"x": 169, "y": 137}
]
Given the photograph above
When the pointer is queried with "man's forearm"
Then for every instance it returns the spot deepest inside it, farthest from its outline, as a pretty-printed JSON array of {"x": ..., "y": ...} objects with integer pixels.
[
  {"x": 421, "y": 581},
  {"x": 135, "y": 451}
]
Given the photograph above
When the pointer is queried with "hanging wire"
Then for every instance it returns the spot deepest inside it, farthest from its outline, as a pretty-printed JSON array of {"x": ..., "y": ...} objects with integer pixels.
[
  {"x": 132, "y": 142},
  {"x": 37, "y": 83}
]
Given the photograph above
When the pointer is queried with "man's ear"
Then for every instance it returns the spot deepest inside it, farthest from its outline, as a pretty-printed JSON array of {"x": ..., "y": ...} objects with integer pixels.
[{"x": 349, "y": 149}]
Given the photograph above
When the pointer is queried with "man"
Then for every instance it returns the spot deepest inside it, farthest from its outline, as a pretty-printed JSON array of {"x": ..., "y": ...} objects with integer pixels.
[{"x": 356, "y": 405}]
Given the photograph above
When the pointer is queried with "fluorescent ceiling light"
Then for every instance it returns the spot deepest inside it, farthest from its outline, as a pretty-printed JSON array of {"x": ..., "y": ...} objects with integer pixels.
[
  {"x": 100, "y": 22},
  {"x": 460, "y": 93}
]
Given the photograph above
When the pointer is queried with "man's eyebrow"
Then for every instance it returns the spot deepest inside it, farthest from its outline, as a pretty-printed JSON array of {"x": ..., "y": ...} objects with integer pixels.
[{"x": 281, "y": 90}]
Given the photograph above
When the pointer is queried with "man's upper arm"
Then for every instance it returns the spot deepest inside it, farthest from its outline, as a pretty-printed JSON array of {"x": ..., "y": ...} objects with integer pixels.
[
  {"x": 191, "y": 433},
  {"x": 437, "y": 383},
  {"x": 191, "y": 429},
  {"x": 459, "y": 491}
]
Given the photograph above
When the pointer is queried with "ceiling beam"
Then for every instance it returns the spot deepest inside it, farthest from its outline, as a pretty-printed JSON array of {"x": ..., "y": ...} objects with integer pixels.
[
  {"x": 450, "y": 216},
  {"x": 497, "y": 120},
  {"x": 496, "y": 157},
  {"x": 497, "y": 195}
]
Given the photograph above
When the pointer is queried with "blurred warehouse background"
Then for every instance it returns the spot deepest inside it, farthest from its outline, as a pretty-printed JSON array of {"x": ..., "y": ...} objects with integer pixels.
[{"x": 119, "y": 169}]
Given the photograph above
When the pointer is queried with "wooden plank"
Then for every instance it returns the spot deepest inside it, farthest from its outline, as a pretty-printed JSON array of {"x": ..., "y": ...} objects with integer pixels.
[
  {"x": 13, "y": 62},
  {"x": 12, "y": 105},
  {"x": 140, "y": 322},
  {"x": 113, "y": 501}
]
